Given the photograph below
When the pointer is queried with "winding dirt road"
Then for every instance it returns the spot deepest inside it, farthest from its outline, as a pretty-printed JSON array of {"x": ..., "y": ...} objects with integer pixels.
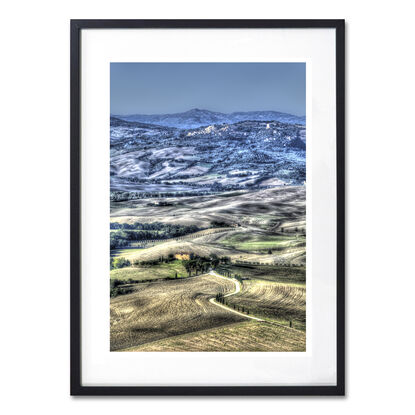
[{"x": 237, "y": 290}]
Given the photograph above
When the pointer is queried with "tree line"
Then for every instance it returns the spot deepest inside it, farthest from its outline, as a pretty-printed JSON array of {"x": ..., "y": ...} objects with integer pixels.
[
  {"x": 124, "y": 233},
  {"x": 220, "y": 298}
]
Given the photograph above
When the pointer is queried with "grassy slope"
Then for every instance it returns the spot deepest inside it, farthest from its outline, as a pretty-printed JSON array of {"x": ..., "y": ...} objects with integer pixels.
[
  {"x": 173, "y": 247},
  {"x": 163, "y": 270},
  {"x": 283, "y": 274}
]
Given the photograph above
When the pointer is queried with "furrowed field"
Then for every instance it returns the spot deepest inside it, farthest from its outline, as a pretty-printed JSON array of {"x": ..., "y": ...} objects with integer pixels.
[{"x": 223, "y": 272}]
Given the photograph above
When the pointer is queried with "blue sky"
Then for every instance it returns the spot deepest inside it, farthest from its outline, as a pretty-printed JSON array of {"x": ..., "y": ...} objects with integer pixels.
[{"x": 161, "y": 88}]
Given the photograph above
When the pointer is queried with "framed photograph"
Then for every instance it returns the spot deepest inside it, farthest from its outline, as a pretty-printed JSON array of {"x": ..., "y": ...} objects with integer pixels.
[{"x": 207, "y": 207}]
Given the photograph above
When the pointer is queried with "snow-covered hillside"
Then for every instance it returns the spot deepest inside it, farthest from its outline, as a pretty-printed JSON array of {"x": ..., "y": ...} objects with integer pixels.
[{"x": 149, "y": 159}]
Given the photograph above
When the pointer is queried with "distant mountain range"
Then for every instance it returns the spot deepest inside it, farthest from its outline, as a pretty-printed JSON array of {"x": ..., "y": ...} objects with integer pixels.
[{"x": 196, "y": 117}]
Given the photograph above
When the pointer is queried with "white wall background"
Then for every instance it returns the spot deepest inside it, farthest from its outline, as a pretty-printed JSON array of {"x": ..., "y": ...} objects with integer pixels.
[{"x": 34, "y": 163}]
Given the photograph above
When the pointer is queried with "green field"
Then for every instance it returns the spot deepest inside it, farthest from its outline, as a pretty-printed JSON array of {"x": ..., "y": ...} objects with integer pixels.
[
  {"x": 261, "y": 241},
  {"x": 117, "y": 253},
  {"x": 154, "y": 272},
  {"x": 275, "y": 273}
]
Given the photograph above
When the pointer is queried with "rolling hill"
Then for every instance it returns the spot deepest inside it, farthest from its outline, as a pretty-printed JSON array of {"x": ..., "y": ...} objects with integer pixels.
[{"x": 196, "y": 117}]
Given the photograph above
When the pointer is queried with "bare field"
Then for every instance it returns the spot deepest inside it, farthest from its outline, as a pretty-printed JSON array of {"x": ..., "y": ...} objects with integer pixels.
[
  {"x": 249, "y": 336},
  {"x": 280, "y": 302},
  {"x": 168, "y": 308},
  {"x": 261, "y": 208}
]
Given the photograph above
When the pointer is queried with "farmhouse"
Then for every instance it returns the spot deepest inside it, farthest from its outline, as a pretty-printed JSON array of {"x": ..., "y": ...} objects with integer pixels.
[{"x": 182, "y": 256}]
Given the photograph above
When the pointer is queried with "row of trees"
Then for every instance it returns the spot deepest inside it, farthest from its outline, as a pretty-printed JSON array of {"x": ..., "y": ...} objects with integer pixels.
[
  {"x": 220, "y": 298},
  {"x": 153, "y": 226},
  {"x": 290, "y": 230},
  {"x": 195, "y": 265},
  {"x": 123, "y": 234},
  {"x": 119, "y": 196},
  {"x": 158, "y": 261},
  {"x": 227, "y": 273},
  {"x": 122, "y": 262}
]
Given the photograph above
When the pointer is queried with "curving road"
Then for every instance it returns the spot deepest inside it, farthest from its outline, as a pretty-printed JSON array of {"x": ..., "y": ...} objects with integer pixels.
[{"x": 237, "y": 290}]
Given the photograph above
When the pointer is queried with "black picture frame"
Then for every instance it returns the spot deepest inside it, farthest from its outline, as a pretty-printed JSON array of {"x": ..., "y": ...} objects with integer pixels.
[{"x": 76, "y": 387}]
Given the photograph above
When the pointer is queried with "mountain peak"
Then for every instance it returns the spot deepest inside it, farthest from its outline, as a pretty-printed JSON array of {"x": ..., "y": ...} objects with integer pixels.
[
  {"x": 198, "y": 111},
  {"x": 197, "y": 117}
]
